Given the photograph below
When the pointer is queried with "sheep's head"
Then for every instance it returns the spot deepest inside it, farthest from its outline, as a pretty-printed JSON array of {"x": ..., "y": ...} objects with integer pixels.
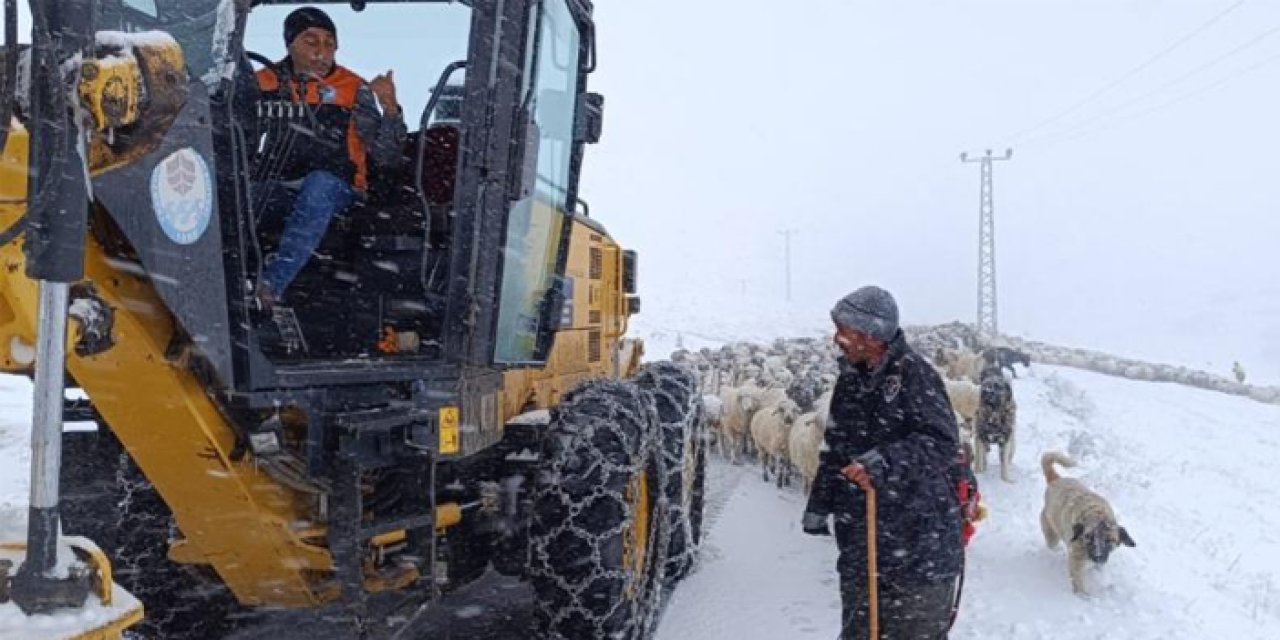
[
  {"x": 945, "y": 356},
  {"x": 809, "y": 418},
  {"x": 788, "y": 411}
]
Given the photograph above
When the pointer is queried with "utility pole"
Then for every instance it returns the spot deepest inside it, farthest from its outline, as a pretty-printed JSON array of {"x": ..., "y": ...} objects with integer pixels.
[
  {"x": 786, "y": 238},
  {"x": 987, "y": 308}
]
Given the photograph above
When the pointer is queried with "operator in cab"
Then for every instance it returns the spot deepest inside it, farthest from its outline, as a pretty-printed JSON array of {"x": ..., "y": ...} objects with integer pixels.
[{"x": 317, "y": 162}]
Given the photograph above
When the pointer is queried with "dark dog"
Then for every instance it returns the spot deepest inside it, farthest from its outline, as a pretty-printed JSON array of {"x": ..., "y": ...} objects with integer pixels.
[
  {"x": 996, "y": 418},
  {"x": 1005, "y": 358}
]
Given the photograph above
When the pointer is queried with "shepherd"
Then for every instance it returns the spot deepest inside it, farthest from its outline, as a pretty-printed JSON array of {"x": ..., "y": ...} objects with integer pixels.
[{"x": 893, "y": 436}]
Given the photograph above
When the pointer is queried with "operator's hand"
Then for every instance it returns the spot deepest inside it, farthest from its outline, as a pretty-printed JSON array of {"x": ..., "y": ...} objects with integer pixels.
[
  {"x": 856, "y": 473},
  {"x": 383, "y": 87}
]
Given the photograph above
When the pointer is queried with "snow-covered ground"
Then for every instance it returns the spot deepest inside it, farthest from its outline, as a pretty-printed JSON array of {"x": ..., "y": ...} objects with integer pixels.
[
  {"x": 1189, "y": 473},
  {"x": 15, "y": 479},
  {"x": 15, "y": 451}
]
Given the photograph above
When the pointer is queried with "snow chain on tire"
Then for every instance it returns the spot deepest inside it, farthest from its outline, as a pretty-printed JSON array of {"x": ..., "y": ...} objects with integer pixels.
[
  {"x": 107, "y": 499},
  {"x": 682, "y": 420},
  {"x": 603, "y": 438}
]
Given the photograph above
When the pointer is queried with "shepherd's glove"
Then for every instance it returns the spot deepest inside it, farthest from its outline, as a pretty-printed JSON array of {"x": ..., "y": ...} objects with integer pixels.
[{"x": 815, "y": 524}]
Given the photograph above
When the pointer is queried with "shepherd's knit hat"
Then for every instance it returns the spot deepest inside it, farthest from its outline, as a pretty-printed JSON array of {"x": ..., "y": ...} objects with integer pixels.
[{"x": 870, "y": 310}]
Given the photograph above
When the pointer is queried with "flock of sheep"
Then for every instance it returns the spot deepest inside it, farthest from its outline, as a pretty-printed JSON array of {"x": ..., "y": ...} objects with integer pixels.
[
  {"x": 768, "y": 401},
  {"x": 772, "y": 401}
]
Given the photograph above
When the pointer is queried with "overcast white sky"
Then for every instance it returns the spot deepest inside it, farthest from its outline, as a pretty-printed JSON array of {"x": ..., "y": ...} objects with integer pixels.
[
  {"x": 727, "y": 121},
  {"x": 1144, "y": 220}
]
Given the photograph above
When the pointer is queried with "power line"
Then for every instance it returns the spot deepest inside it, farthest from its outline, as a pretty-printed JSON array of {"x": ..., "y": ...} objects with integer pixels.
[
  {"x": 1130, "y": 74},
  {"x": 1081, "y": 132},
  {"x": 1172, "y": 83}
]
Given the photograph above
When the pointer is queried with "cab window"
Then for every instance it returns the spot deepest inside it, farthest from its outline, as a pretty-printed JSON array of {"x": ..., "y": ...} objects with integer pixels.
[{"x": 536, "y": 222}]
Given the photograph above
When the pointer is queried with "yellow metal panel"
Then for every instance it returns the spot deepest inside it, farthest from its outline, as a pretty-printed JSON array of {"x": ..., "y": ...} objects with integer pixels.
[
  {"x": 390, "y": 537},
  {"x": 13, "y": 195},
  {"x": 448, "y": 514},
  {"x": 183, "y": 552},
  {"x": 449, "y": 419},
  {"x": 231, "y": 513},
  {"x": 115, "y": 629},
  {"x": 149, "y": 88},
  {"x": 111, "y": 90},
  {"x": 568, "y": 363}
]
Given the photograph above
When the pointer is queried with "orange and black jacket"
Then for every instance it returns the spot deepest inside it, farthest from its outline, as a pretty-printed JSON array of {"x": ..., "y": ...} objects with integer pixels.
[{"x": 338, "y": 131}]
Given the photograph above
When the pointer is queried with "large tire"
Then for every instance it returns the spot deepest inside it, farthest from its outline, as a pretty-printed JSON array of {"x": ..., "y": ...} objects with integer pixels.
[
  {"x": 683, "y": 426},
  {"x": 598, "y": 538},
  {"x": 699, "y": 499}
]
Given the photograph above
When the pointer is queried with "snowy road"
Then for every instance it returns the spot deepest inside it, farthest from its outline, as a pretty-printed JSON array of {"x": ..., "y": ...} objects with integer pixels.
[{"x": 1189, "y": 473}]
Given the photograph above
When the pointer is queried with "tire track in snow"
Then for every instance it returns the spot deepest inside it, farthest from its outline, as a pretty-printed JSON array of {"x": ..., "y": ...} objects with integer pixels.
[{"x": 723, "y": 480}]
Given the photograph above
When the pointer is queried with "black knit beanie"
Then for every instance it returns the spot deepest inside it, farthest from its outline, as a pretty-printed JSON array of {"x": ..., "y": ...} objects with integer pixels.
[{"x": 306, "y": 18}]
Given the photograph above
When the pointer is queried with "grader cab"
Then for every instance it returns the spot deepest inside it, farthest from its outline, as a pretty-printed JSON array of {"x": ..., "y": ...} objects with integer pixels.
[{"x": 445, "y": 390}]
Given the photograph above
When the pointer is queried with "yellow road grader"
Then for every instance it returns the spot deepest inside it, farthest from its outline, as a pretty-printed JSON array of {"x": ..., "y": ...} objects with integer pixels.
[{"x": 446, "y": 389}]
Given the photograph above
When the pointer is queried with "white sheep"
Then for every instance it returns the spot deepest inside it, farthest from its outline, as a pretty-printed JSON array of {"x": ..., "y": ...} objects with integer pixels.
[
  {"x": 777, "y": 377},
  {"x": 961, "y": 365},
  {"x": 749, "y": 372},
  {"x": 775, "y": 363},
  {"x": 822, "y": 407},
  {"x": 805, "y": 442},
  {"x": 964, "y": 396},
  {"x": 740, "y": 404},
  {"x": 763, "y": 396},
  {"x": 713, "y": 408},
  {"x": 768, "y": 395},
  {"x": 771, "y": 431}
]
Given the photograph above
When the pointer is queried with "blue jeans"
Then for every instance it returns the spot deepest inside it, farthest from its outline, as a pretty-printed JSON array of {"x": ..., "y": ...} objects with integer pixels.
[{"x": 320, "y": 196}]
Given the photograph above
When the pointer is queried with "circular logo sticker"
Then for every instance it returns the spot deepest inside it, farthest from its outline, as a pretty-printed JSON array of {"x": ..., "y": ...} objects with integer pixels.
[{"x": 182, "y": 195}]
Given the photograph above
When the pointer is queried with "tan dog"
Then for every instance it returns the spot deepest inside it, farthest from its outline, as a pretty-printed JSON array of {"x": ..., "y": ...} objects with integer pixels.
[{"x": 1079, "y": 516}]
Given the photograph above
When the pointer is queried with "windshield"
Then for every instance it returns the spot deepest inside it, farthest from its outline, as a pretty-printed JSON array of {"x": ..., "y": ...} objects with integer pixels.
[{"x": 413, "y": 41}]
